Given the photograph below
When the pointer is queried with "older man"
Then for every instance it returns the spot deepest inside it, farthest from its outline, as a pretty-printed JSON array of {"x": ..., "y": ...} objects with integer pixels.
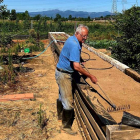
[{"x": 69, "y": 61}]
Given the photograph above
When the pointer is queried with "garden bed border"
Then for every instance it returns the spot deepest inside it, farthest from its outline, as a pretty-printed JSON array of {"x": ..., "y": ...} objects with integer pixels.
[{"x": 122, "y": 67}]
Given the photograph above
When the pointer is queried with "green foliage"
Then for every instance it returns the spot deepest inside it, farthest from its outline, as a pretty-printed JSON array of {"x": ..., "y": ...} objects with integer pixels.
[
  {"x": 22, "y": 16},
  {"x": 5, "y": 40},
  {"x": 59, "y": 25},
  {"x": 36, "y": 47},
  {"x": 58, "y": 17},
  {"x": 42, "y": 117},
  {"x": 37, "y": 17},
  {"x": 101, "y": 44},
  {"x": 27, "y": 16},
  {"x": 127, "y": 49},
  {"x": 32, "y": 33},
  {"x": 2, "y": 7},
  {"x": 97, "y": 31},
  {"x": 7, "y": 75},
  {"x": 13, "y": 15},
  {"x": 26, "y": 24},
  {"x": 32, "y": 43}
]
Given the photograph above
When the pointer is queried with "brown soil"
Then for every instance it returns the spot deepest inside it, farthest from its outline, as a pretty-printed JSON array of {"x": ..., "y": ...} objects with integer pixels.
[
  {"x": 119, "y": 88},
  {"x": 20, "y": 119}
]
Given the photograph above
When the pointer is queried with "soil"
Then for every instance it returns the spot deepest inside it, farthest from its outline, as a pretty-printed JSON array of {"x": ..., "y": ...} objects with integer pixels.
[
  {"x": 22, "y": 119},
  {"x": 114, "y": 85}
]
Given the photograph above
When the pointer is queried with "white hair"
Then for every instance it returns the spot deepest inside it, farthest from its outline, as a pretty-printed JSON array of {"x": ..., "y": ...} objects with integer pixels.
[{"x": 79, "y": 28}]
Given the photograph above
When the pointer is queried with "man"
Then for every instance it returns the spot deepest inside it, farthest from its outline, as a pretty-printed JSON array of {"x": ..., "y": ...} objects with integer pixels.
[{"x": 69, "y": 61}]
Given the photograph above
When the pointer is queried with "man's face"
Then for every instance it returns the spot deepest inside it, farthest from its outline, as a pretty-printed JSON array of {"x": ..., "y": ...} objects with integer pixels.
[{"x": 83, "y": 35}]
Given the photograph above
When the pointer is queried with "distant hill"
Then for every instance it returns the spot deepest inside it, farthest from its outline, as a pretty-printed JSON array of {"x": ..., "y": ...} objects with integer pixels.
[{"x": 52, "y": 13}]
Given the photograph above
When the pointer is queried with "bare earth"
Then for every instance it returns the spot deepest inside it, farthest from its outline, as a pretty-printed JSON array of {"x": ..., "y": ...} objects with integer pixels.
[
  {"x": 119, "y": 88},
  {"x": 20, "y": 119}
]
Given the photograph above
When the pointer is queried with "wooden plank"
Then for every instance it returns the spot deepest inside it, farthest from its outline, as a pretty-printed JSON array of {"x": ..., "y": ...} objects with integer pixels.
[
  {"x": 133, "y": 74},
  {"x": 101, "y": 121},
  {"x": 90, "y": 117},
  {"x": 122, "y": 132},
  {"x": 89, "y": 127},
  {"x": 82, "y": 123},
  {"x": 14, "y": 97},
  {"x": 80, "y": 127}
]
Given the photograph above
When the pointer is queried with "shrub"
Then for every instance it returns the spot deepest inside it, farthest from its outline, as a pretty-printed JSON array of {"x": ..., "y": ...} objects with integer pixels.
[
  {"x": 32, "y": 33},
  {"x": 127, "y": 49}
]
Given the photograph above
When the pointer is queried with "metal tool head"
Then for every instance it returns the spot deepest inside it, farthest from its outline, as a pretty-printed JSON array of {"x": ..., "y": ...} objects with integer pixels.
[{"x": 119, "y": 108}]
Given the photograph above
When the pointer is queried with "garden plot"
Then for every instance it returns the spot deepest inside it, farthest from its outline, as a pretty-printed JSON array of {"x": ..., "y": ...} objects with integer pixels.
[
  {"x": 113, "y": 85},
  {"x": 120, "y": 88}
]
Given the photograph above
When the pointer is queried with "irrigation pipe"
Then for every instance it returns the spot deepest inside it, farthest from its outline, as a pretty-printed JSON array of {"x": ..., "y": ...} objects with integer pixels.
[
  {"x": 19, "y": 33},
  {"x": 40, "y": 53},
  {"x": 45, "y": 49}
]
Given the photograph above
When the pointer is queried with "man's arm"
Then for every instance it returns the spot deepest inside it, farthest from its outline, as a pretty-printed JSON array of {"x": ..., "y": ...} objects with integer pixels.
[{"x": 78, "y": 68}]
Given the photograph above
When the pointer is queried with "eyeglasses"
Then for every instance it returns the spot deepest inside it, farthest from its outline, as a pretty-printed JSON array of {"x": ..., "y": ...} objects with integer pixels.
[{"x": 84, "y": 36}]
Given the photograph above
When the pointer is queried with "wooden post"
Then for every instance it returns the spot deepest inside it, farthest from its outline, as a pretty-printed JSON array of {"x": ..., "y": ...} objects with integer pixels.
[{"x": 122, "y": 132}]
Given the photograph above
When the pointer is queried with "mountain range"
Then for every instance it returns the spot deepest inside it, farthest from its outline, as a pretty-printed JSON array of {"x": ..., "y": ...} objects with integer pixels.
[{"x": 52, "y": 13}]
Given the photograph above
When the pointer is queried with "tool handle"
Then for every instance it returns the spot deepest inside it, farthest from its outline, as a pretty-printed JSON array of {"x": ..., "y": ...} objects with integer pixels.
[{"x": 113, "y": 105}]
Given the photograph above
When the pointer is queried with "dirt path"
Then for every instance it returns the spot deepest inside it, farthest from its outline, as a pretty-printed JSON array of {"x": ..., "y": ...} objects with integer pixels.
[{"x": 20, "y": 119}]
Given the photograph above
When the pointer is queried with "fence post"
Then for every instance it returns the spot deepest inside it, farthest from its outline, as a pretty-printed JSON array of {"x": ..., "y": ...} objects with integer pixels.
[
  {"x": 75, "y": 26},
  {"x": 31, "y": 24}
]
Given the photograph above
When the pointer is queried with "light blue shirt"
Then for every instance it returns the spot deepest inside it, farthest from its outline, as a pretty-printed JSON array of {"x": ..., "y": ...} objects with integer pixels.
[{"x": 70, "y": 53}]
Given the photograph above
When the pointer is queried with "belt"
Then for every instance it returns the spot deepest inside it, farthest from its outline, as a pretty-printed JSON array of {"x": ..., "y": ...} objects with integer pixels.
[{"x": 61, "y": 70}]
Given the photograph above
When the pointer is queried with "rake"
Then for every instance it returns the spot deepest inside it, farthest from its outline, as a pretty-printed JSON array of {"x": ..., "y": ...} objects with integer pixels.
[
  {"x": 119, "y": 108},
  {"x": 112, "y": 107}
]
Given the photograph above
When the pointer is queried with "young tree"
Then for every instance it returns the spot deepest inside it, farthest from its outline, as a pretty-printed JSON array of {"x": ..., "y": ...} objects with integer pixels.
[
  {"x": 37, "y": 17},
  {"x": 27, "y": 16},
  {"x": 13, "y": 14},
  {"x": 127, "y": 49},
  {"x": 2, "y": 8},
  {"x": 70, "y": 17},
  {"x": 58, "y": 17}
]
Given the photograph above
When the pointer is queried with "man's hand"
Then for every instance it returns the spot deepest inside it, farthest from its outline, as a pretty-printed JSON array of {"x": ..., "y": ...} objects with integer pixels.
[
  {"x": 78, "y": 68},
  {"x": 83, "y": 63},
  {"x": 93, "y": 79}
]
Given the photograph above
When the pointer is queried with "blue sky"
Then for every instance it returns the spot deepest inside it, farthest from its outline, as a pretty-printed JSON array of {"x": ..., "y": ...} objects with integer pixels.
[{"x": 75, "y": 5}]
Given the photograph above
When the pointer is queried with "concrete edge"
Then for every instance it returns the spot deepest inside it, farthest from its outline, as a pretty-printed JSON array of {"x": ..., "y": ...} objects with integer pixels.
[{"x": 122, "y": 67}]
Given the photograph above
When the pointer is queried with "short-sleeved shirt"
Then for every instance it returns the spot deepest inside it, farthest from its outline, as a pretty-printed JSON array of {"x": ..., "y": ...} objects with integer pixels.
[{"x": 70, "y": 53}]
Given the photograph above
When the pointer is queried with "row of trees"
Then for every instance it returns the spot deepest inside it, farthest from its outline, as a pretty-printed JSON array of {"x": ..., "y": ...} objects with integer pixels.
[{"x": 12, "y": 15}]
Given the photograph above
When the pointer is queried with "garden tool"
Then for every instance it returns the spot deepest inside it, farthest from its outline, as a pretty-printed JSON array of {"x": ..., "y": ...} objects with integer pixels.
[{"x": 112, "y": 105}]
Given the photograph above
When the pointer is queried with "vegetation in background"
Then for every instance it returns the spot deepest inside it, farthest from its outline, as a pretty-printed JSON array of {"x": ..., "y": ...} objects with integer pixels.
[
  {"x": 2, "y": 7},
  {"x": 127, "y": 49},
  {"x": 122, "y": 35},
  {"x": 101, "y": 44},
  {"x": 9, "y": 49},
  {"x": 7, "y": 75},
  {"x": 5, "y": 40}
]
